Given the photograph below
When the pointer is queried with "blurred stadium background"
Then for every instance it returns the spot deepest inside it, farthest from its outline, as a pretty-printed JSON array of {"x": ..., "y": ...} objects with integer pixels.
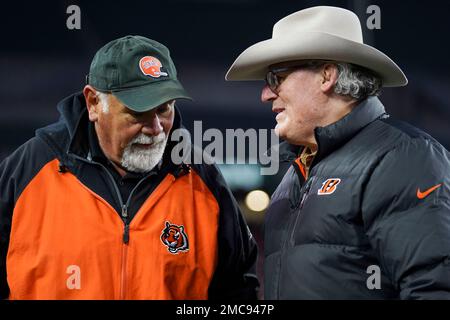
[{"x": 41, "y": 62}]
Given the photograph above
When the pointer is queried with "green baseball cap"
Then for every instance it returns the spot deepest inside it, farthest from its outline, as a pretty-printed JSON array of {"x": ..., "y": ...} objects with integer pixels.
[{"x": 138, "y": 71}]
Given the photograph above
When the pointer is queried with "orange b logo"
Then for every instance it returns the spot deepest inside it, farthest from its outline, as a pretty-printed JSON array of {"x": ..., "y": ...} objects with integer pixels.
[
  {"x": 329, "y": 186},
  {"x": 150, "y": 66}
]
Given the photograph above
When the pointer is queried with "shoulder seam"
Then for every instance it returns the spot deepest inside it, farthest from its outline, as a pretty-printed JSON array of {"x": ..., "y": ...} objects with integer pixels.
[
  {"x": 22, "y": 183},
  {"x": 423, "y": 136}
]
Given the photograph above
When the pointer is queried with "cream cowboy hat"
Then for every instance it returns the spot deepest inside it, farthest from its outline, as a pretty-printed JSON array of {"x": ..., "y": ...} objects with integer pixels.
[{"x": 324, "y": 33}]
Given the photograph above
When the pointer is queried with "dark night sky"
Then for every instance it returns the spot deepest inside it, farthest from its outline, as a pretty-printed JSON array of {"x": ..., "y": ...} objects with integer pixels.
[
  {"x": 213, "y": 30},
  {"x": 41, "y": 61}
]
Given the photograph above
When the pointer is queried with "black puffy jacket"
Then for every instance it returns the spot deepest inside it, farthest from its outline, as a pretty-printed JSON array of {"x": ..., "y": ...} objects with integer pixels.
[{"x": 372, "y": 219}]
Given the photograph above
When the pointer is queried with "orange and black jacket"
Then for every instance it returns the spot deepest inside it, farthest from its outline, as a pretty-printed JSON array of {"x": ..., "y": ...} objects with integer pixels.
[{"x": 66, "y": 232}]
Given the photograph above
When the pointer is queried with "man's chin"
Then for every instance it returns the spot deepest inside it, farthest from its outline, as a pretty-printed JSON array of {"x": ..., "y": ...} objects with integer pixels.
[
  {"x": 289, "y": 139},
  {"x": 280, "y": 132},
  {"x": 134, "y": 162},
  {"x": 143, "y": 157},
  {"x": 137, "y": 168}
]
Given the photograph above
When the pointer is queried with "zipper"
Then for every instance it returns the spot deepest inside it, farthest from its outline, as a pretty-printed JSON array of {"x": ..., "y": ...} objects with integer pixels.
[
  {"x": 126, "y": 239},
  {"x": 290, "y": 234},
  {"x": 126, "y": 228},
  {"x": 126, "y": 234},
  {"x": 124, "y": 212},
  {"x": 124, "y": 216},
  {"x": 123, "y": 272},
  {"x": 124, "y": 206},
  {"x": 305, "y": 194},
  {"x": 124, "y": 244},
  {"x": 299, "y": 208}
]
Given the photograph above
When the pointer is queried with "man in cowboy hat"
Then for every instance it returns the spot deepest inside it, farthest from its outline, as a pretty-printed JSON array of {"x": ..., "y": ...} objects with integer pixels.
[{"x": 364, "y": 210}]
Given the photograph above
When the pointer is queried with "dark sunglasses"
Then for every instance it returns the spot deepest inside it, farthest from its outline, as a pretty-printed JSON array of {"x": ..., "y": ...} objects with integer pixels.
[{"x": 275, "y": 77}]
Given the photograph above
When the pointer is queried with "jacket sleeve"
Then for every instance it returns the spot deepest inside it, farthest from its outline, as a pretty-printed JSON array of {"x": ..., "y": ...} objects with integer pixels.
[
  {"x": 235, "y": 275},
  {"x": 6, "y": 207},
  {"x": 16, "y": 171},
  {"x": 406, "y": 213}
]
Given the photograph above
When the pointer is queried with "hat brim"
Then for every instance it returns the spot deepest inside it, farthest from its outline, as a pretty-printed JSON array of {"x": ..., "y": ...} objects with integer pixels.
[
  {"x": 148, "y": 97},
  {"x": 254, "y": 62}
]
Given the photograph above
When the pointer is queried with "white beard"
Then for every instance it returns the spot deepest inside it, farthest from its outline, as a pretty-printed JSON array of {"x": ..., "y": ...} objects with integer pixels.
[{"x": 136, "y": 159}]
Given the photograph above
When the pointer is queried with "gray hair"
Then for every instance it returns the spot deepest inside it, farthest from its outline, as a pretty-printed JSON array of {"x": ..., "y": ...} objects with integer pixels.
[
  {"x": 104, "y": 99},
  {"x": 356, "y": 82}
]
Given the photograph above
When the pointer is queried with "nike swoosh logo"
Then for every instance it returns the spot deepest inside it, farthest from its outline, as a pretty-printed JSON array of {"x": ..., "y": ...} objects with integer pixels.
[{"x": 423, "y": 195}]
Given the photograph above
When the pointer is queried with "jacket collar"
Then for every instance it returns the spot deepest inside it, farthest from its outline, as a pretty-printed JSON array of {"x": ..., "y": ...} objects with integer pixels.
[
  {"x": 61, "y": 135},
  {"x": 332, "y": 137}
]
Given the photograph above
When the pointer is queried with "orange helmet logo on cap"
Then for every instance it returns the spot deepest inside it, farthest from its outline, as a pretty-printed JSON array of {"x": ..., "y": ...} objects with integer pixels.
[{"x": 150, "y": 66}]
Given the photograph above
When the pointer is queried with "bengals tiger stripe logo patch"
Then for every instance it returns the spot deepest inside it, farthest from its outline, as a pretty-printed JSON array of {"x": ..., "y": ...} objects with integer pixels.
[{"x": 329, "y": 186}]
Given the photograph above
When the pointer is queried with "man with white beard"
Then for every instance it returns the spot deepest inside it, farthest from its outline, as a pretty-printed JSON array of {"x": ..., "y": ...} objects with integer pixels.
[
  {"x": 93, "y": 207},
  {"x": 143, "y": 160}
]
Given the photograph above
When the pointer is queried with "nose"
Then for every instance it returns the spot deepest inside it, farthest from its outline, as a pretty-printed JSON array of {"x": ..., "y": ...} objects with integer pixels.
[
  {"x": 267, "y": 94},
  {"x": 152, "y": 126}
]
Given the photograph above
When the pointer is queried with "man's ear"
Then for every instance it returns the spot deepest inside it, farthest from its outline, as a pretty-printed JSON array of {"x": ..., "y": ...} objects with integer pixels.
[
  {"x": 92, "y": 102},
  {"x": 329, "y": 75}
]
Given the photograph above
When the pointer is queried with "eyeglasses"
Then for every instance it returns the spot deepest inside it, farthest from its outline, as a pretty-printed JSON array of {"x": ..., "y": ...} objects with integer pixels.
[{"x": 275, "y": 77}]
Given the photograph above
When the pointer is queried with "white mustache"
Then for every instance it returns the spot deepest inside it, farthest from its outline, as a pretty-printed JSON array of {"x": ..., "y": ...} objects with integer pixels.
[
  {"x": 136, "y": 159},
  {"x": 144, "y": 139}
]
